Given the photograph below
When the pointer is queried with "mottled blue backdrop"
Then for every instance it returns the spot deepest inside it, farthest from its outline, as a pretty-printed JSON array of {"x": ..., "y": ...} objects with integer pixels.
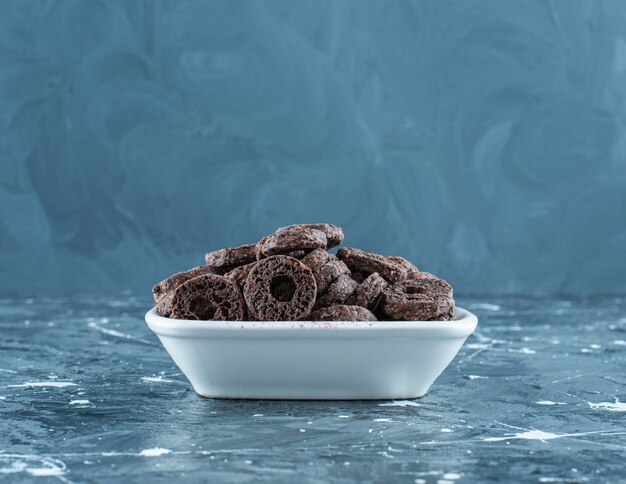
[{"x": 484, "y": 140}]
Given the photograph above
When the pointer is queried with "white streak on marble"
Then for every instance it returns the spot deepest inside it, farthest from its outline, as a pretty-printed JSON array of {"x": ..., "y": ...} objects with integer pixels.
[
  {"x": 45, "y": 384},
  {"x": 446, "y": 431},
  {"x": 426, "y": 473},
  {"x": 46, "y": 466},
  {"x": 79, "y": 402},
  {"x": 343, "y": 416},
  {"x": 155, "y": 452},
  {"x": 477, "y": 377},
  {"x": 619, "y": 342},
  {"x": 45, "y": 471},
  {"x": 17, "y": 466},
  {"x": 451, "y": 476},
  {"x": 400, "y": 403},
  {"x": 528, "y": 435},
  {"x": 117, "y": 334},
  {"x": 543, "y": 436},
  {"x": 7, "y": 371},
  {"x": 110, "y": 332},
  {"x": 617, "y": 406},
  {"x": 548, "y": 402},
  {"x": 2, "y": 398},
  {"x": 481, "y": 337},
  {"x": 568, "y": 378},
  {"x": 485, "y": 306},
  {"x": 383, "y": 420},
  {"x": 156, "y": 379},
  {"x": 477, "y": 346}
]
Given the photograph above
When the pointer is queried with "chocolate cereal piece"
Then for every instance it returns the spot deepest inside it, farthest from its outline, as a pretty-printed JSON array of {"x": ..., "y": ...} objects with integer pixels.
[
  {"x": 239, "y": 275},
  {"x": 409, "y": 266},
  {"x": 361, "y": 261},
  {"x": 338, "y": 292},
  {"x": 368, "y": 293},
  {"x": 329, "y": 273},
  {"x": 446, "y": 315},
  {"x": 418, "y": 300},
  {"x": 334, "y": 233},
  {"x": 227, "y": 259},
  {"x": 289, "y": 239},
  {"x": 280, "y": 288},
  {"x": 208, "y": 297},
  {"x": 317, "y": 258},
  {"x": 359, "y": 276},
  {"x": 421, "y": 275},
  {"x": 342, "y": 313},
  {"x": 163, "y": 292},
  {"x": 297, "y": 254}
]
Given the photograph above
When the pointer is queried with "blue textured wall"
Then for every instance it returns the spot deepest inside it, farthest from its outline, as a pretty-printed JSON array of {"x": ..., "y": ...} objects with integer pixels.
[{"x": 484, "y": 140}]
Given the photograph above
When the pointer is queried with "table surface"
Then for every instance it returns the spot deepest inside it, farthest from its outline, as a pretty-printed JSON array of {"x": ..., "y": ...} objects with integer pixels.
[{"x": 87, "y": 394}]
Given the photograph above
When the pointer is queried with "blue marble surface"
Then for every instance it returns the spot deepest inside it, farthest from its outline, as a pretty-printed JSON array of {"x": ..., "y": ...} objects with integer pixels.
[
  {"x": 484, "y": 140},
  {"x": 537, "y": 394}
]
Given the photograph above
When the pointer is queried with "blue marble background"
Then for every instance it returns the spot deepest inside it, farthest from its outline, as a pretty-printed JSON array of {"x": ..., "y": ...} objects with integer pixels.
[{"x": 484, "y": 140}]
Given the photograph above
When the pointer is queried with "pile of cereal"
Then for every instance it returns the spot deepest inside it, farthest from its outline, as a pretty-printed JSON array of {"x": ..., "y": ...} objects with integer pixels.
[{"x": 290, "y": 275}]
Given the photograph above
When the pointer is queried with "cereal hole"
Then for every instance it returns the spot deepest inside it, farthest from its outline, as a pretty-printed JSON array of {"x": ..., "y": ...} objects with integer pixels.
[{"x": 283, "y": 288}]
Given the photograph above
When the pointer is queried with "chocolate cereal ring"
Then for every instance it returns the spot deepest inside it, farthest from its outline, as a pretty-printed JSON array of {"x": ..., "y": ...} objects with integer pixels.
[
  {"x": 297, "y": 254},
  {"x": 409, "y": 266},
  {"x": 280, "y": 288},
  {"x": 421, "y": 275},
  {"x": 418, "y": 300},
  {"x": 361, "y": 261},
  {"x": 239, "y": 275},
  {"x": 209, "y": 297},
  {"x": 368, "y": 293},
  {"x": 317, "y": 258},
  {"x": 446, "y": 315},
  {"x": 329, "y": 273},
  {"x": 359, "y": 276},
  {"x": 163, "y": 292},
  {"x": 342, "y": 313},
  {"x": 338, "y": 292},
  {"x": 227, "y": 259},
  {"x": 334, "y": 233},
  {"x": 289, "y": 239}
]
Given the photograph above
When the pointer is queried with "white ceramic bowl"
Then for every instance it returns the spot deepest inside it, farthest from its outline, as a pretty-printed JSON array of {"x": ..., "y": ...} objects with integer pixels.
[{"x": 310, "y": 360}]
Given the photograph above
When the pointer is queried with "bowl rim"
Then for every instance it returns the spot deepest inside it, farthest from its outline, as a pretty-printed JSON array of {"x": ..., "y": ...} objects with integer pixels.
[{"x": 463, "y": 324}]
